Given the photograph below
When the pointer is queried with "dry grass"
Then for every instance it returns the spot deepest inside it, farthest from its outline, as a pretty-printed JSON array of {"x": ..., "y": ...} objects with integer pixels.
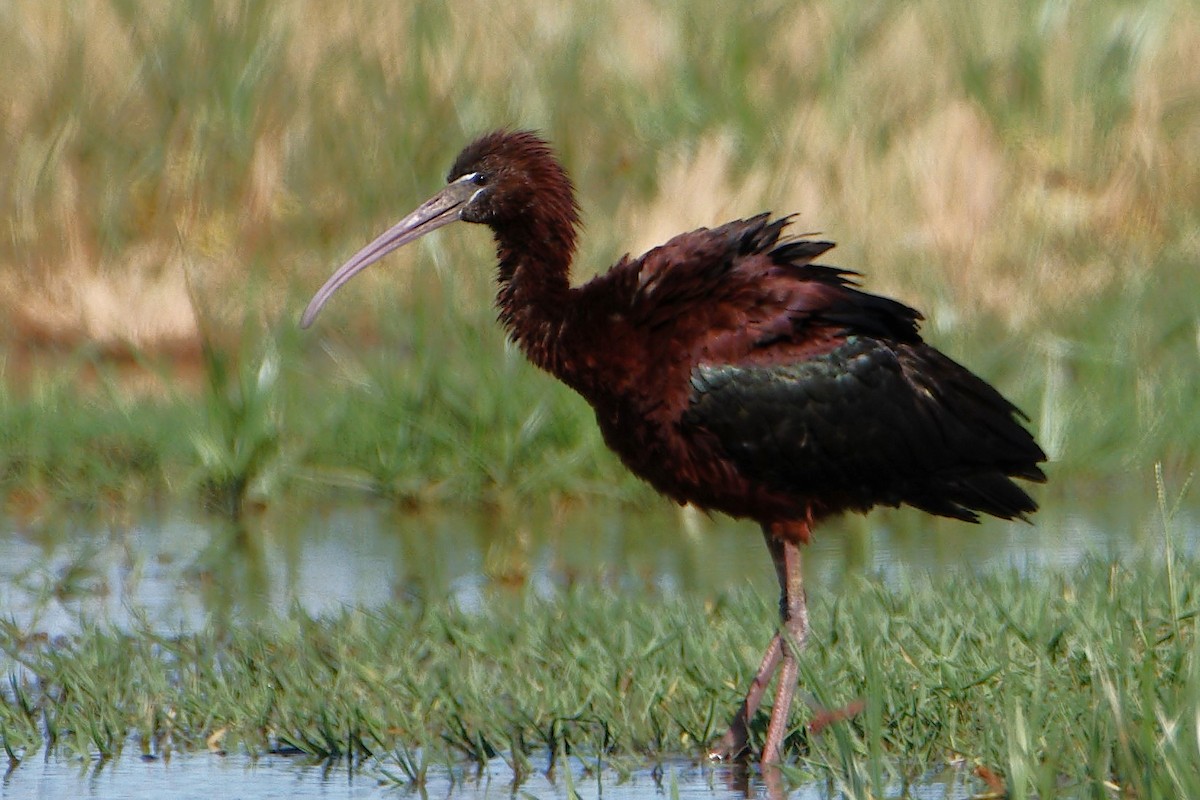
[{"x": 968, "y": 157}]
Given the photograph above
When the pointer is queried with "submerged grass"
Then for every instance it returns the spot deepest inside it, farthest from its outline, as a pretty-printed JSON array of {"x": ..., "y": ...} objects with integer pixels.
[{"x": 1074, "y": 684}]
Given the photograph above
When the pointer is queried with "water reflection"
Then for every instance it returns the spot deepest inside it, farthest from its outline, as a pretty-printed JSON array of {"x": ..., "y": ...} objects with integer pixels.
[
  {"x": 204, "y": 775},
  {"x": 181, "y": 571}
]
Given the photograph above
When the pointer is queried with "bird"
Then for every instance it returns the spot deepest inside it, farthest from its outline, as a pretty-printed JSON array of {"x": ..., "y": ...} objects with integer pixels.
[{"x": 732, "y": 372}]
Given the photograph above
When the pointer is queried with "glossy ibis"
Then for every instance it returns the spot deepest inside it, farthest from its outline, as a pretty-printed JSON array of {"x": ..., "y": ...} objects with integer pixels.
[{"x": 731, "y": 372}]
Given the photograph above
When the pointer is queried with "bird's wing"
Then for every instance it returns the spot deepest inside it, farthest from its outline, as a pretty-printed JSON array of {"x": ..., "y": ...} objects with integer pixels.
[
  {"x": 870, "y": 422},
  {"x": 743, "y": 284},
  {"x": 814, "y": 387}
]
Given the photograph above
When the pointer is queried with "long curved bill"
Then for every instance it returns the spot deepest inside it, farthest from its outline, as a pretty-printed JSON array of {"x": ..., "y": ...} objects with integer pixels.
[{"x": 441, "y": 209}]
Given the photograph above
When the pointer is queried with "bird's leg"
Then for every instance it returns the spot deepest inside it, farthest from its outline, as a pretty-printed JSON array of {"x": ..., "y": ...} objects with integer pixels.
[
  {"x": 785, "y": 552},
  {"x": 736, "y": 739}
]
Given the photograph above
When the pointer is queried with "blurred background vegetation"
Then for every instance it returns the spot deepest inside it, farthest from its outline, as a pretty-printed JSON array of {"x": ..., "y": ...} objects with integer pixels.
[{"x": 176, "y": 178}]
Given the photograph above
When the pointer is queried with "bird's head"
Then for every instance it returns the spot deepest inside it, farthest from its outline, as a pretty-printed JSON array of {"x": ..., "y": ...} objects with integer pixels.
[{"x": 503, "y": 179}]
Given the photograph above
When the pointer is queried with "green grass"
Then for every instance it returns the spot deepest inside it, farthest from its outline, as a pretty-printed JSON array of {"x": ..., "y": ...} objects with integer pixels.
[
  {"x": 465, "y": 421},
  {"x": 1059, "y": 683},
  {"x": 446, "y": 413}
]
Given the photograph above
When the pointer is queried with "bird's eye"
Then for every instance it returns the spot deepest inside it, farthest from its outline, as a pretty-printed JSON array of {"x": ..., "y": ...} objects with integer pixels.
[{"x": 479, "y": 179}]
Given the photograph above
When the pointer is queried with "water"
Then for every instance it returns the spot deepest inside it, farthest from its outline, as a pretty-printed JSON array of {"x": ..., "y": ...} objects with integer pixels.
[
  {"x": 177, "y": 570},
  {"x": 205, "y": 776}
]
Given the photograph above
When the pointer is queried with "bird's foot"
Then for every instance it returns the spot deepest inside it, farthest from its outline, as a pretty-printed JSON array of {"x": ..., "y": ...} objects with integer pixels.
[
  {"x": 824, "y": 717},
  {"x": 733, "y": 746}
]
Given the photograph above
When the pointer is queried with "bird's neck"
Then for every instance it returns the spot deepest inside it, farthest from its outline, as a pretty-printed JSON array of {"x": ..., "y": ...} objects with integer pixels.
[{"x": 534, "y": 297}]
